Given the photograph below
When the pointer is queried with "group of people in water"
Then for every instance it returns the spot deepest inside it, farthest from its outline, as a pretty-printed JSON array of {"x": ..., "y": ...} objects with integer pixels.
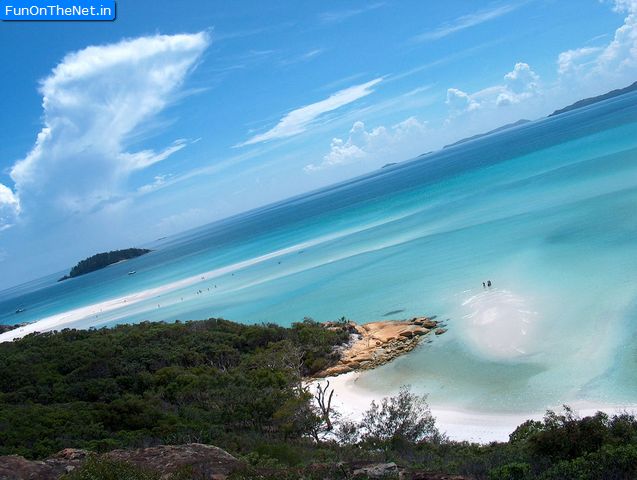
[{"x": 487, "y": 284}]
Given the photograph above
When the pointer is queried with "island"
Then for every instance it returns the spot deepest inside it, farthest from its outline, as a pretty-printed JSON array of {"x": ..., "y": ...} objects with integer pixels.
[
  {"x": 590, "y": 101},
  {"x": 496, "y": 130},
  {"x": 101, "y": 260}
]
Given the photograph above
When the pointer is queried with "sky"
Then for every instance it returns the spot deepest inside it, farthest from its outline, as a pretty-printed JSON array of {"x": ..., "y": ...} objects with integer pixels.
[{"x": 113, "y": 134}]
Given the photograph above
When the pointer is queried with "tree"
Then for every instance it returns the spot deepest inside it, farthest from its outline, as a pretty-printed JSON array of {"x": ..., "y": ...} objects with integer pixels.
[
  {"x": 325, "y": 407},
  {"x": 405, "y": 417}
]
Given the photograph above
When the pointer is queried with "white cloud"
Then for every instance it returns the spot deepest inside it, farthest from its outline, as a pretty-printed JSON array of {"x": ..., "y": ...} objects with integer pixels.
[
  {"x": 399, "y": 142},
  {"x": 617, "y": 59},
  {"x": 520, "y": 84},
  {"x": 457, "y": 100},
  {"x": 464, "y": 22},
  {"x": 9, "y": 207},
  {"x": 570, "y": 60},
  {"x": 93, "y": 102},
  {"x": 158, "y": 182},
  {"x": 298, "y": 120},
  {"x": 522, "y": 79},
  {"x": 621, "y": 52}
]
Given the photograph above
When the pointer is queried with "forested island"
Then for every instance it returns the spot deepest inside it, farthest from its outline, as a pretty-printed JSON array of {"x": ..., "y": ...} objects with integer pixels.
[
  {"x": 102, "y": 260},
  {"x": 150, "y": 400}
]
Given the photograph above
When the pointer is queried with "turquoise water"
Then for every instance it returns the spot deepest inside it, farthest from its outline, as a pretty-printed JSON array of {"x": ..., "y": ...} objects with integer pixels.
[{"x": 547, "y": 211}]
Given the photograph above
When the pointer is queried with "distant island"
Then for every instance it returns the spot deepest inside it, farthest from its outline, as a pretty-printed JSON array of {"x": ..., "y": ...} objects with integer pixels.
[
  {"x": 496, "y": 130},
  {"x": 590, "y": 101},
  {"x": 102, "y": 260},
  {"x": 579, "y": 104}
]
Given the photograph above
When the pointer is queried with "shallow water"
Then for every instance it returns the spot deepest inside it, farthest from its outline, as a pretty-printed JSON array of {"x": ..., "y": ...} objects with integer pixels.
[{"x": 547, "y": 212}]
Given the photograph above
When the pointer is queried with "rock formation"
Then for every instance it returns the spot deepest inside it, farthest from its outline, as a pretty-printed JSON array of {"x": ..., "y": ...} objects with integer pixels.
[
  {"x": 205, "y": 461},
  {"x": 374, "y": 344}
]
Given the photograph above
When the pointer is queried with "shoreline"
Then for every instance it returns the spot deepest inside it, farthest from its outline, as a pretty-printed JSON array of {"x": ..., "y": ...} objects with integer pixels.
[
  {"x": 458, "y": 424},
  {"x": 62, "y": 320}
]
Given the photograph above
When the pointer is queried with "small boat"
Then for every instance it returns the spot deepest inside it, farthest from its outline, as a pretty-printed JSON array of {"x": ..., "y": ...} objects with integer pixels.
[
  {"x": 132, "y": 272},
  {"x": 19, "y": 310}
]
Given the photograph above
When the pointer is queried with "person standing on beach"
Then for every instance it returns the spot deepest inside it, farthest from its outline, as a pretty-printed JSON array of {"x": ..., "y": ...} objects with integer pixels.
[{"x": 489, "y": 283}]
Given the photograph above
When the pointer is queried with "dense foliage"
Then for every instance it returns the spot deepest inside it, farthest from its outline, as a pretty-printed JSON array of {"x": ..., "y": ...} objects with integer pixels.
[
  {"x": 102, "y": 260},
  {"x": 212, "y": 381},
  {"x": 239, "y": 387}
]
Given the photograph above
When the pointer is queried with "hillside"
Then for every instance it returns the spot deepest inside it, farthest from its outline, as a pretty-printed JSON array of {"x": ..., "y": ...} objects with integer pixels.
[
  {"x": 130, "y": 389},
  {"x": 495, "y": 130},
  {"x": 590, "y": 101}
]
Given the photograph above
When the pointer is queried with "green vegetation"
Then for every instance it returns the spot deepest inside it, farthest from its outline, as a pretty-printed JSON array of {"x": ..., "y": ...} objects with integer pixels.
[
  {"x": 102, "y": 260},
  {"x": 102, "y": 469},
  {"x": 239, "y": 387},
  {"x": 212, "y": 381}
]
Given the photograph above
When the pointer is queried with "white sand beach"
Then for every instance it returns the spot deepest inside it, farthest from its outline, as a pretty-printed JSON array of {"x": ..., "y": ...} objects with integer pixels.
[{"x": 352, "y": 401}]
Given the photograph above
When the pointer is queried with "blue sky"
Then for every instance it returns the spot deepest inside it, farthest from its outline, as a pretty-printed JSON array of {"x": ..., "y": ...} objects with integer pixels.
[{"x": 179, "y": 113}]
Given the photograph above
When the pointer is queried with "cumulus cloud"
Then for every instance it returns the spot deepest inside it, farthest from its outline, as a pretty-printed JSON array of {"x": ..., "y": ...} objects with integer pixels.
[
  {"x": 522, "y": 79},
  {"x": 399, "y": 142},
  {"x": 93, "y": 102},
  {"x": 617, "y": 57},
  {"x": 457, "y": 100},
  {"x": 571, "y": 61},
  {"x": 9, "y": 207},
  {"x": 519, "y": 84},
  {"x": 298, "y": 120}
]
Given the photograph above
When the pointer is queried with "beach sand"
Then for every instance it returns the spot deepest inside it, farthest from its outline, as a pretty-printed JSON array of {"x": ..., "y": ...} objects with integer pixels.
[{"x": 352, "y": 401}]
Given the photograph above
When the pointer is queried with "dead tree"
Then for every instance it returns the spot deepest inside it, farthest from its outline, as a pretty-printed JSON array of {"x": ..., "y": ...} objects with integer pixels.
[{"x": 325, "y": 408}]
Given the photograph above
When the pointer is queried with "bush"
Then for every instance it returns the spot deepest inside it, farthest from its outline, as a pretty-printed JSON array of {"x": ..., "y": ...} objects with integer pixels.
[
  {"x": 103, "y": 469},
  {"x": 403, "y": 417},
  {"x": 512, "y": 471}
]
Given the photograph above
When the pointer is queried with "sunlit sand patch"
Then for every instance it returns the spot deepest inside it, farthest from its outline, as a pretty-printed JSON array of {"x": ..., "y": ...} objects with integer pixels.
[{"x": 499, "y": 324}]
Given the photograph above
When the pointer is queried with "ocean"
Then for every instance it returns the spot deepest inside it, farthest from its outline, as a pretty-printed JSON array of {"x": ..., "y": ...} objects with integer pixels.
[{"x": 546, "y": 211}]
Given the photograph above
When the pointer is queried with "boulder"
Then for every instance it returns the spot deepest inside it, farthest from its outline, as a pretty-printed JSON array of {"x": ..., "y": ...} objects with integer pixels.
[
  {"x": 440, "y": 331},
  {"x": 377, "y": 470},
  {"x": 205, "y": 461},
  {"x": 14, "y": 467}
]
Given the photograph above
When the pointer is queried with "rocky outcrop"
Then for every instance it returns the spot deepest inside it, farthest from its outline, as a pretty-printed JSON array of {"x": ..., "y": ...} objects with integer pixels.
[
  {"x": 374, "y": 344},
  {"x": 205, "y": 461},
  {"x": 14, "y": 467},
  {"x": 377, "y": 470},
  {"x": 369, "y": 470}
]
